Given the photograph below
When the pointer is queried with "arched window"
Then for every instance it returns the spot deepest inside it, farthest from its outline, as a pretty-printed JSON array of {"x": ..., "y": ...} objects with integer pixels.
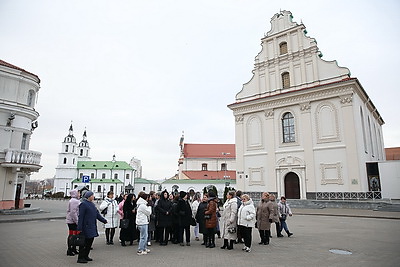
[
  {"x": 115, "y": 175},
  {"x": 112, "y": 188},
  {"x": 103, "y": 176},
  {"x": 65, "y": 161},
  {"x": 285, "y": 80},
  {"x": 99, "y": 188},
  {"x": 66, "y": 148},
  {"x": 283, "y": 48},
  {"x": 127, "y": 176},
  {"x": 204, "y": 166},
  {"x": 81, "y": 152},
  {"x": 288, "y": 128}
]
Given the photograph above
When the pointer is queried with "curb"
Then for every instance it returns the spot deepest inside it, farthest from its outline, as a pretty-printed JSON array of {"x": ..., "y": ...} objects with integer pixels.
[{"x": 350, "y": 215}]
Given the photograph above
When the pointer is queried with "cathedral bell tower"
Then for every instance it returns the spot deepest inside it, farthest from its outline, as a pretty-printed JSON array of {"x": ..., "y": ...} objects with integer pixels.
[
  {"x": 66, "y": 169},
  {"x": 84, "y": 149}
]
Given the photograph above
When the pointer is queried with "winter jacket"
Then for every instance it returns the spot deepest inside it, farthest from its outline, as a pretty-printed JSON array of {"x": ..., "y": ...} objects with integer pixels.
[
  {"x": 212, "y": 211},
  {"x": 73, "y": 208},
  {"x": 194, "y": 207},
  {"x": 88, "y": 214},
  {"x": 200, "y": 216},
  {"x": 164, "y": 212},
  {"x": 263, "y": 215},
  {"x": 143, "y": 212},
  {"x": 284, "y": 208},
  {"x": 229, "y": 216},
  {"x": 247, "y": 214},
  {"x": 112, "y": 212},
  {"x": 184, "y": 212},
  {"x": 273, "y": 211}
]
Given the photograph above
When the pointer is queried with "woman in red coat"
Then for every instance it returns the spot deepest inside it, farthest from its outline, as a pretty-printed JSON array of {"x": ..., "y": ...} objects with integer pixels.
[{"x": 210, "y": 214}]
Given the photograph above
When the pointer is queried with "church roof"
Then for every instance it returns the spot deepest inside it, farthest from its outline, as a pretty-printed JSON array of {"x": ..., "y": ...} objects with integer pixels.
[
  {"x": 209, "y": 151},
  {"x": 104, "y": 165},
  {"x": 144, "y": 181}
]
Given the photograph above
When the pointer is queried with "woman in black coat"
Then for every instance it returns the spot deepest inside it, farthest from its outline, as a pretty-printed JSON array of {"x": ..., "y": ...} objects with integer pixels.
[
  {"x": 200, "y": 215},
  {"x": 130, "y": 233},
  {"x": 164, "y": 217},
  {"x": 184, "y": 213}
]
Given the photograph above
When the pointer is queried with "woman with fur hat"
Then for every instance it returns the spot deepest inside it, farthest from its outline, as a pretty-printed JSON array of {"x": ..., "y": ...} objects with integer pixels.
[{"x": 88, "y": 214}]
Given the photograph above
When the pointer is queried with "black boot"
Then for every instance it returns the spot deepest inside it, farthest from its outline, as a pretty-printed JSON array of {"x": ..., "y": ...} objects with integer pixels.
[
  {"x": 70, "y": 247},
  {"x": 230, "y": 247},
  {"x": 207, "y": 241},
  {"x": 267, "y": 235},
  {"x": 225, "y": 244},
  {"x": 289, "y": 234},
  {"x": 219, "y": 234},
  {"x": 212, "y": 241}
]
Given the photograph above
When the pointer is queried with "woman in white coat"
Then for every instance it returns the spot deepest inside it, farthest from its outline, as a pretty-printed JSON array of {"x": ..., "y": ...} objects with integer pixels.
[
  {"x": 109, "y": 209},
  {"x": 246, "y": 220},
  {"x": 229, "y": 216}
]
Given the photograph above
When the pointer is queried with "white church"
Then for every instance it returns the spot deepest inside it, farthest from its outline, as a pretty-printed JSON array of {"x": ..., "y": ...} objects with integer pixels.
[
  {"x": 76, "y": 169},
  {"x": 305, "y": 128}
]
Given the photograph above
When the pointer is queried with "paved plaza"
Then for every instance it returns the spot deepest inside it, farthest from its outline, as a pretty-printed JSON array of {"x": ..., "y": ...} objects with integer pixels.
[{"x": 373, "y": 238}]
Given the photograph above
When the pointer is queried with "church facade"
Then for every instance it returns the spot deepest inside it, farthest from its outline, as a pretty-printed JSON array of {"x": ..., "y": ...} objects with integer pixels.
[
  {"x": 304, "y": 128},
  {"x": 76, "y": 169}
]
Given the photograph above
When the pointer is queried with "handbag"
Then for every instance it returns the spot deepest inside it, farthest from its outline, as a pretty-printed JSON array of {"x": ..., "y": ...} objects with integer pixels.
[
  {"x": 124, "y": 223},
  {"x": 232, "y": 230},
  {"x": 78, "y": 240},
  {"x": 193, "y": 222},
  {"x": 283, "y": 217}
]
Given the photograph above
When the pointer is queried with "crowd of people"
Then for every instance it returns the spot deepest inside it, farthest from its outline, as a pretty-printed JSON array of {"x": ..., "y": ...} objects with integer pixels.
[{"x": 167, "y": 218}]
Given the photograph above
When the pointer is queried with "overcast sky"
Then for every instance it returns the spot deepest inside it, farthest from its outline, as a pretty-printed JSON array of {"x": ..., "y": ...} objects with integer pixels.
[{"x": 135, "y": 74}]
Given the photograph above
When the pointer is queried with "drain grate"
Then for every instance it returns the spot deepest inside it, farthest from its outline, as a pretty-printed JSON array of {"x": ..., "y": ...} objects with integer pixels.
[{"x": 340, "y": 251}]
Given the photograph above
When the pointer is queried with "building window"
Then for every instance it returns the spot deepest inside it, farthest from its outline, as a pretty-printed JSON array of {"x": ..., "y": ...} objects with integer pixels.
[
  {"x": 112, "y": 188},
  {"x": 81, "y": 175},
  {"x": 223, "y": 167},
  {"x": 204, "y": 166},
  {"x": 31, "y": 98},
  {"x": 144, "y": 188},
  {"x": 81, "y": 152},
  {"x": 65, "y": 161},
  {"x": 66, "y": 148},
  {"x": 92, "y": 175},
  {"x": 288, "y": 128},
  {"x": 115, "y": 175},
  {"x": 24, "y": 143},
  {"x": 285, "y": 80},
  {"x": 103, "y": 176},
  {"x": 99, "y": 188},
  {"x": 283, "y": 48},
  {"x": 73, "y": 161},
  {"x": 127, "y": 176}
]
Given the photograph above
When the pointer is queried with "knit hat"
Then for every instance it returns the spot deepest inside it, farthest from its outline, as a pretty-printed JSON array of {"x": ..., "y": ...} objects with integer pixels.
[
  {"x": 182, "y": 194},
  {"x": 88, "y": 194}
]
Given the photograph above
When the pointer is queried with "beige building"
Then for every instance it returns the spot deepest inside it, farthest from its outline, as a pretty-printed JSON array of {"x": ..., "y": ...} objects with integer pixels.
[
  {"x": 305, "y": 128},
  {"x": 18, "y": 118}
]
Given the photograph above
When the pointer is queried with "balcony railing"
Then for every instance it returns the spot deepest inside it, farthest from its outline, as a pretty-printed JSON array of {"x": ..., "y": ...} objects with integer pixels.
[{"x": 23, "y": 157}]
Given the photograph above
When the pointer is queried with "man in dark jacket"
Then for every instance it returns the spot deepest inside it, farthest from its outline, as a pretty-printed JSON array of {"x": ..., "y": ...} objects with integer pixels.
[{"x": 88, "y": 214}]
